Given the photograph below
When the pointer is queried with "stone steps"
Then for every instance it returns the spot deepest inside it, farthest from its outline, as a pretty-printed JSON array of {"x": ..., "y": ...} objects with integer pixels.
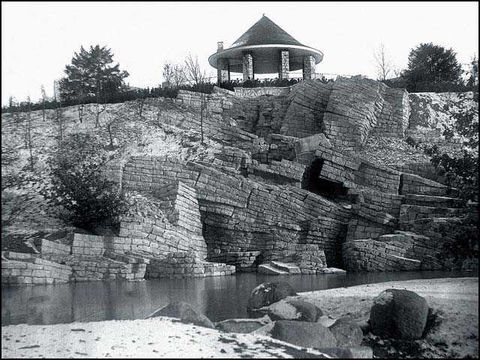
[{"x": 435, "y": 201}]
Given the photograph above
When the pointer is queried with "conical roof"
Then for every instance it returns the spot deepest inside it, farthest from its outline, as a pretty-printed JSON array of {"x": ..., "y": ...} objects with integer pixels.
[{"x": 265, "y": 32}]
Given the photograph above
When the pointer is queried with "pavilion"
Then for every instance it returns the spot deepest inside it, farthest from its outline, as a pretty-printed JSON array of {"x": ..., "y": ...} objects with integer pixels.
[{"x": 265, "y": 48}]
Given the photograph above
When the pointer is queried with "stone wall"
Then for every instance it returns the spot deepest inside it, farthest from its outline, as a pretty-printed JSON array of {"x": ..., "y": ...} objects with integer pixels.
[
  {"x": 29, "y": 269},
  {"x": 260, "y": 91},
  {"x": 185, "y": 264}
]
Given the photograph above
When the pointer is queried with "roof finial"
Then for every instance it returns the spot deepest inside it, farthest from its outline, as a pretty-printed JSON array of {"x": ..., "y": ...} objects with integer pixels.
[{"x": 263, "y": 14}]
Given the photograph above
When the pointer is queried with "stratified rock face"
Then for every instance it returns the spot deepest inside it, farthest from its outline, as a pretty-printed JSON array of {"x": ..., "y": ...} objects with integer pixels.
[
  {"x": 353, "y": 110},
  {"x": 306, "y": 334},
  {"x": 171, "y": 221},
  {"x": 394, "y": 118},
  {"x": 398, "y": 314},
  {"x": 357, "y": 105},
  {"x": 239, "y": 214},
  {"x": 307, "y": 104},
  {"x": 269, "y": 293},
  {"x": 347, "y": 332},
  {"x": 185, "y": 312}
]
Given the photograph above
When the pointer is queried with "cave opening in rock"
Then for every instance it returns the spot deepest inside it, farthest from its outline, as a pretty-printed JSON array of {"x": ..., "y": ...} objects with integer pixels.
[{"x": 314, "y": 181}]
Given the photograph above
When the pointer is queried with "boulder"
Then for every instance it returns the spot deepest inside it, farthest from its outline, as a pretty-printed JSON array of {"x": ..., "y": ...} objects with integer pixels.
[
  {"x": 291, "y": 309},
  {"x": 398, "y": 314},
  {"x": 347, "y": 332},
  {"x": 356, "y": 352},
  {"x": 266, "y": 294},
  {"x": 326, "y": 320},
  {"x": 265, "y": 330},
  {"x": 302, "y": 333},
  {"x": 243, "y": 326},
  {"x": 185, "y": 312}
]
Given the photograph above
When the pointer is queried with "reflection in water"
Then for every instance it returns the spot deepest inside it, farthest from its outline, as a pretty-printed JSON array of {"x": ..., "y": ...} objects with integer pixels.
[{"x": 219, "y": 298}]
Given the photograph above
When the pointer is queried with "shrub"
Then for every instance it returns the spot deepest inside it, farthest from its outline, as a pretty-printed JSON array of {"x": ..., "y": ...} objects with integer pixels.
[
  {"x": 79, "y": 186},
  {"x": 461, "y": 172}
]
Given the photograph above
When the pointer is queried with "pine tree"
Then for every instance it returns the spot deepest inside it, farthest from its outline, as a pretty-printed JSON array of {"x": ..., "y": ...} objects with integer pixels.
[
  {"x": 93, "y": 75},
  {"x": 430, "y": 67}
]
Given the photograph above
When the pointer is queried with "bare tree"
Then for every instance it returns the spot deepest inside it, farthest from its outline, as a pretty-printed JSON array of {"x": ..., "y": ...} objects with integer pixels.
[
  {"x": 383, "y": 64},
  {"x": 28, "y": 132},
  {"x": 173, "y": 74},
  {"x": 81, "y": 106},
  {"x": 12, "y": 104},
  {"x": 193, "y": 71},
  {"x": 100, "y": 106},
  {"x": 44, "y": 99}
]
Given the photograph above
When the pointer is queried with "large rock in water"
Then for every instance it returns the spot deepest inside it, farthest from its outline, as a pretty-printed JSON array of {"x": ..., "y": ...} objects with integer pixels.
[
  {"x": 291, "y": 309},
  {"x": 398, "y": 314},
  {"x": 185, "y": 312},
  {"x": 347, "y": 332},
  {"x": 266, "y": 294},
  {"x": 302, "y": 333}
]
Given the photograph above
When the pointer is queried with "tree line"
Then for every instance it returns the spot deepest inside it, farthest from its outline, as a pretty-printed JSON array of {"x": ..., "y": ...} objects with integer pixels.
[
  {"x": 92, "y": 77},
  {"x": 431, "y": 68}
]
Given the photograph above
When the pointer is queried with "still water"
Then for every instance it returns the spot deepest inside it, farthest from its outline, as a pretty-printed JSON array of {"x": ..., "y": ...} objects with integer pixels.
[{"x": 219, "y": 298}]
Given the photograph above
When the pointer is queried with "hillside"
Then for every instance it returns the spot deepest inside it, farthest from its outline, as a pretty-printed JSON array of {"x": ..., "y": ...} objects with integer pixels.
[{"x": 288, "y": 174}]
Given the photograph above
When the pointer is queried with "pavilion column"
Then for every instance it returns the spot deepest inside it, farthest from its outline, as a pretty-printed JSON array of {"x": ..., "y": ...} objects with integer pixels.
[
  {"x": 248, "y": 67},
  {"x": 284, "y": 64},
  {"x": 223, "y": 71},
  {"x": 308, "y": 67}
]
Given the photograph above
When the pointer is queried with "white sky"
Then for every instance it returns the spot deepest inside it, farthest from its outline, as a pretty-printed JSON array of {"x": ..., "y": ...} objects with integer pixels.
[{"x": 40, "y": 38}]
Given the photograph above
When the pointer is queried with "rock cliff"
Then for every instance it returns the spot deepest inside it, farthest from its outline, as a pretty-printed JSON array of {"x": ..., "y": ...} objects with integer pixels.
[{"x": 281, "y": 175}]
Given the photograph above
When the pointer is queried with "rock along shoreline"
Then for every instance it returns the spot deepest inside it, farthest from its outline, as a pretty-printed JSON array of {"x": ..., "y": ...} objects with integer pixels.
[{"x": 454, "y": 333}]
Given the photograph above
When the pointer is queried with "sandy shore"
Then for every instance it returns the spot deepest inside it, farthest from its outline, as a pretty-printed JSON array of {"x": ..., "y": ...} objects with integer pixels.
[{"x": 455, "y": 301}]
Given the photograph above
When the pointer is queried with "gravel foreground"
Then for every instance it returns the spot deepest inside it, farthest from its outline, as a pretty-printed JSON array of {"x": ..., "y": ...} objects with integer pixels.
[{"x": 455, "y": 333}]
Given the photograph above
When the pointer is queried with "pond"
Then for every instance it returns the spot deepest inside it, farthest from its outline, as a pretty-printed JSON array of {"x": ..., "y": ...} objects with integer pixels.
[{"x": 219, "y": 298}]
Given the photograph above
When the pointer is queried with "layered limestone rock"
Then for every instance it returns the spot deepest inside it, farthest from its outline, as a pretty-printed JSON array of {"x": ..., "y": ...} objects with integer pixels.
[
  {"x": 239, "y": 214},
  {"x": 270, "y": 176}
]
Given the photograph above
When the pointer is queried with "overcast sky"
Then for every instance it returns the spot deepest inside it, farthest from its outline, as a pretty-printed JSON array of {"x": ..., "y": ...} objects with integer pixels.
[{"x": 39, "y": 39}]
